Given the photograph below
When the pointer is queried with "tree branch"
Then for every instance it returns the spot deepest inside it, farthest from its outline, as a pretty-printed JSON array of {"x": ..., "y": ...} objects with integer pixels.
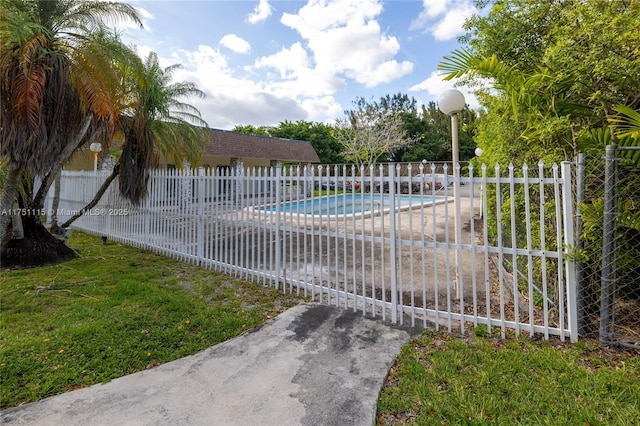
[
  {"x": 38, "y": 199},
  {"x": 96, "y": 198}
]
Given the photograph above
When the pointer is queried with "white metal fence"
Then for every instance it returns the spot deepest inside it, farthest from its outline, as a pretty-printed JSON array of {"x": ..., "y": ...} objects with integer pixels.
[{"x": 388, "y": 240}]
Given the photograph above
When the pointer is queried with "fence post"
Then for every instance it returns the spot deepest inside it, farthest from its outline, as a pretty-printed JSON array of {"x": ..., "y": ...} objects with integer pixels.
[
  {"x": 581, "y": 284},
  {"x": 277, "y": 240},
  {"x": 392, "y": 242},
  {"x": 607, "y": 283},
  {"x": 146, "y": 238},
  {"x": 200, "y": 237},
  {"x": 569, "y": 240}
]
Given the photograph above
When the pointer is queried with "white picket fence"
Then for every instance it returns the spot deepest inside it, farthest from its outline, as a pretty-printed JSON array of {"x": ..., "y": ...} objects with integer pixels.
[{"x": 386, "y": 243}]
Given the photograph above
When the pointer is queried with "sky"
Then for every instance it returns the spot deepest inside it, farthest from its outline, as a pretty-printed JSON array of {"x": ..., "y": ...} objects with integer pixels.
[{"x": 262, "y": 62}]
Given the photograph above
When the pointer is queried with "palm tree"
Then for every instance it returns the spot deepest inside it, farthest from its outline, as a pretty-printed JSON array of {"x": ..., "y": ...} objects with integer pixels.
[
  {"x": 58, "y": 84},
  {"x": 155, "y": 120}
]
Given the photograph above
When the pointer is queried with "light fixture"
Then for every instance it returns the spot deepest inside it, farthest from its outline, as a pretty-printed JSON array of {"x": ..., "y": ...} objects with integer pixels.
[
  {"x": 451, "y": 101},
  {"x": 95, "y": 147}
]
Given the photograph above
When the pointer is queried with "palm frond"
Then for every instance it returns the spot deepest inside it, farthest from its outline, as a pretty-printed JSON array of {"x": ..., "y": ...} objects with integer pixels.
[
  {"x": 459, "y": 63},
  {"x": 627, "y": 122}
]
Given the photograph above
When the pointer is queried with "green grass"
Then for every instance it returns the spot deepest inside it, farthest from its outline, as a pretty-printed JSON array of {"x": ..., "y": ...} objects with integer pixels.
[
  {"x": 439, "y": 379},
  {"x": 114, "y": 311},
  {"x": 118, "y": 310}
]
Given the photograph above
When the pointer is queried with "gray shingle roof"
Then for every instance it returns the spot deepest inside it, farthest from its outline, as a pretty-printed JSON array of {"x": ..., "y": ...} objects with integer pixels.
[{"x": 225, "y": 143}]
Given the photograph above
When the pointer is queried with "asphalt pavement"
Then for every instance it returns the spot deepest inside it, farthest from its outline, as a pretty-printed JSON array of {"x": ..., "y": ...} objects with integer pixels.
[{"x": 312, "y": 365}]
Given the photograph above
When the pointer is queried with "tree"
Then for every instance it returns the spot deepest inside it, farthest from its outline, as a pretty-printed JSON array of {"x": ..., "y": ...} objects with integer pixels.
[
  {"x": 158, "y": 120},
  {"x": 155, "y": 120},
  {"x": 366, "y": 140},
  {"x": 560, "y": 72},
  {"x": 432, "y": 132},
  {"x": 58, "y": 89},
  {"x": 320, "y": 135},
  {"x": 428, "y": 128},
  {"x": 252, "y": 130},
  {"x": 370, "y": 133}
]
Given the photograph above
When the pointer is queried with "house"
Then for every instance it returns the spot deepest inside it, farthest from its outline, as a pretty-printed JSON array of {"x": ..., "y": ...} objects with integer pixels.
[{"x": 229, "y": 149}]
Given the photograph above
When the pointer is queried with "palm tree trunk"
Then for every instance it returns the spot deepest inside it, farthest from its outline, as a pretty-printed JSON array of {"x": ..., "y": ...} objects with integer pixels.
[
  {"x": 38, "y": 200},
  {"x": 16, "y": 224},
  {"x": 96, "y": 198},
  {"x": 56, "y": 203},
  {"x": 9, "y": 195}
]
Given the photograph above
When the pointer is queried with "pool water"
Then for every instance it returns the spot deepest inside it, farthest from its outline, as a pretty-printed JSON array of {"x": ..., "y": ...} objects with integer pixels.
[{"x": 348, "y": 204}]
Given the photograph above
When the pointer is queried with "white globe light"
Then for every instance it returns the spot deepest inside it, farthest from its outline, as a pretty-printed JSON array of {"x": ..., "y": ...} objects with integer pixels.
[
  {"x": 95, "y": 147},
  {"x": 451, "y": 101},
  {"x": 479, "y": 152}
]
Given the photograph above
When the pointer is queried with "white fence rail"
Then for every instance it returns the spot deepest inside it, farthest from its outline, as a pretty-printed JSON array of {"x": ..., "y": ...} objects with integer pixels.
[{"x": 383, "y": 240}]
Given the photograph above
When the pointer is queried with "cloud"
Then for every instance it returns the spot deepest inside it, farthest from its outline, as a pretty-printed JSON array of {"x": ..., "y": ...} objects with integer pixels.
[
  {"x": 235, "y": 43},
  {"x": 232, "y": 99},
  {"x": 288, "y": 61},
  {"x": 260, "y": 13},
  {"x": 345, "y": 39},
  {"x": 443, "y": 19},
  {"x": 434, "y": 85},
  {"x": 145, "y": 16},
  {"x": 258, "y": 108},
  {"x": 337, "y": 44}
]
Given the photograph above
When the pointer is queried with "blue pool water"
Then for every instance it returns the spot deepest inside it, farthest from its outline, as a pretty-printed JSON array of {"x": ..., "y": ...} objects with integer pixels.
[{"x": 347, "y": 204}]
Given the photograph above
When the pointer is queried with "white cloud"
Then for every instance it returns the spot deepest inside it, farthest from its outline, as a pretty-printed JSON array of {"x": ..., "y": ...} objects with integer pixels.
[
  {"x": 124, "y": 25},
  {"x": 235, "y": 43},
  {"x": 434, "y": 85},
  {"x": 261, "y": 12},
  {"x": 360, "y": 52},
  {"x": 289, "y": 62},
  {"x": 337, "y": 43},
  {"x": 318, "y": 16},
  {"x": 324, "y": 109},
  {"x": 231, "y": 99},
  {"x": 344, "y": 38},
  {"x": 443, "y": 18}
]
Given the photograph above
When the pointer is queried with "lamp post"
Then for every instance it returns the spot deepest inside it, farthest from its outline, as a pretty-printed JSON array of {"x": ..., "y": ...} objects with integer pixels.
[
  {"x": 451, "y": 102},
  {"x": 95, "y": 147}
]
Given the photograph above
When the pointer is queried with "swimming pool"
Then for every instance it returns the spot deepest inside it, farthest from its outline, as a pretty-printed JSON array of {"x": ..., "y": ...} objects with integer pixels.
[{"x": 348, "y": 204}]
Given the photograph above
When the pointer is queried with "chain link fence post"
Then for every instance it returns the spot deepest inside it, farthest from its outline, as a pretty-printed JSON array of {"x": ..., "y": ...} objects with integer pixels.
[{"x": 607, "y": 281}]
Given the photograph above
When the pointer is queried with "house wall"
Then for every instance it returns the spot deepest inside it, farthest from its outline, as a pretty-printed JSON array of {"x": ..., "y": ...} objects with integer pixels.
[
  {"x": 82, "y": 159},
  {"x": 212, "y": 162}
]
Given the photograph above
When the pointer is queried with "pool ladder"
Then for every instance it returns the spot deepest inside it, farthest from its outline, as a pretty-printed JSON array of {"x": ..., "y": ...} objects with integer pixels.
[{"x": 372, "y": 204}]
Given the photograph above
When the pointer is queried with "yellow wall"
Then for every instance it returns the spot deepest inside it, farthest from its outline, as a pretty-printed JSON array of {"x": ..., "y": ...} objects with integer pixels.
[
  {"x": 213, "y": 162},
  {"x": 83, "y": 160}
]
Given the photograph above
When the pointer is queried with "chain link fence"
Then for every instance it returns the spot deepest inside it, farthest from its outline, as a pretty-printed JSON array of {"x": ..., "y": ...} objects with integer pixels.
[{"x": 608, "y": 251}]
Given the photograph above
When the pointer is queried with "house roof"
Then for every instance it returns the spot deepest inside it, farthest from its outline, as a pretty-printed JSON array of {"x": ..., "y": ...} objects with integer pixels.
[{"x": 224, "y": 143}]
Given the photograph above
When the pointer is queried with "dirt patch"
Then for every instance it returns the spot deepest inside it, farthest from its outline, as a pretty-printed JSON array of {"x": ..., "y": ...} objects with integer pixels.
[{"x": 38, "y": 247}]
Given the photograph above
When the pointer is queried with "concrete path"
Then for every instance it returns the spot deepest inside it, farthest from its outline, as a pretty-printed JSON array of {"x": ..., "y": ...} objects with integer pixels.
[{"x": 311, "y": 365}]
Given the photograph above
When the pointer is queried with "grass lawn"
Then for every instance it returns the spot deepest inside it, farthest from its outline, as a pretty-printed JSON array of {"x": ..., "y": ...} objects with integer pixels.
[
  {"x": 118, "y": 309},
  {"x": 443, "y": 380},
  {"x": 114, "y": 311}
]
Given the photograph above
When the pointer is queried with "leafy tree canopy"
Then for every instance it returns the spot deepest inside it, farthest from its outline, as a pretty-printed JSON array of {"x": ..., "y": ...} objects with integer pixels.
[
  {"x": 321, "y": 136},
  {"x": 559, "y": 68}
]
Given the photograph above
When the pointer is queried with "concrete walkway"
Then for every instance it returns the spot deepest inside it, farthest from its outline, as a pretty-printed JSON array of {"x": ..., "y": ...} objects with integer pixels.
[{"x": 311, "y": 365}]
